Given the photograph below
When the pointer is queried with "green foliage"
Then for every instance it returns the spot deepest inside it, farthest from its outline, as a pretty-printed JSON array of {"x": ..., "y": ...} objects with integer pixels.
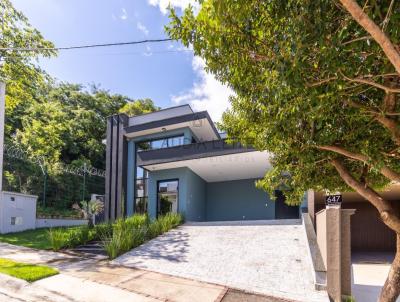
[
  {"x": 138, "y": 221},
  {"x": 52, "y": 212},
  {"x": 138, "y": 107},
  {"x": 101, "y": 231},
  {"x": 60, "y": 122},
  {"x": 89, "y": 209},
  {"x": 290, "y": 64},
  {"x": 349, "y": 299},
  {"x": 58, "y": 238},
  {"x": 77, "y": 236},
  {"x": 37, "y": 239},
  {"x": 118, "y": 237},
  {"x": 134, "y": 231},
  {"x": 25, "y": 271}
]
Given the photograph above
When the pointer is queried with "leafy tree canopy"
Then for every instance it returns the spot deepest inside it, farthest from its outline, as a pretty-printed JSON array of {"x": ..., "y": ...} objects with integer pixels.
[
  {"x": 57, "y": 121},
  {"x": 306, "y": 76},
  {"x": 317, "y": 86},
  {"x": 139, "y": 106}
]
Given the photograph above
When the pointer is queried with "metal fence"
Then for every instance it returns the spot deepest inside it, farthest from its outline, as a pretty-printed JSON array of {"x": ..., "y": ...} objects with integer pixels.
[{"x": 57, "y": 185}]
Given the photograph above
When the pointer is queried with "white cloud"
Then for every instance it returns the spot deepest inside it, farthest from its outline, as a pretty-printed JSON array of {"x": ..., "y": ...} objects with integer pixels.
[
  {"x": 148, "y": 52},
  {"x": 206, "y": 94},
  {"x": 140, "y": 26},
  {"x": 124, "y": 14},
  {"x": 182, "y": 4}
]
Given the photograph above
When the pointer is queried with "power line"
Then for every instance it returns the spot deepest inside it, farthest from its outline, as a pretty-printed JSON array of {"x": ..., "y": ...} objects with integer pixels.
[{"x": 85, "y": 46}]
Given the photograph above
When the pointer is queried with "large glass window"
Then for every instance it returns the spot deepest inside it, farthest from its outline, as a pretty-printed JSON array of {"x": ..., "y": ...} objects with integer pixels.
[
  {"x": 167, "y": 197},
  {"x": 141, "y": 182},
  {"x": 167, "y": 142}
]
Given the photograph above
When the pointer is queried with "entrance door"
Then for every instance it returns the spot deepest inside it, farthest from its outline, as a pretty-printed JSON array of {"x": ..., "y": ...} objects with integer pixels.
[
  {"x": 167, "y": 197},
  {"x": 282, "y": 210}
]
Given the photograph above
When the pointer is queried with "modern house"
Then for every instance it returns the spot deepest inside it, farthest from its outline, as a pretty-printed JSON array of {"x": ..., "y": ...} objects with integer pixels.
[{"x": 175, "y": 160}]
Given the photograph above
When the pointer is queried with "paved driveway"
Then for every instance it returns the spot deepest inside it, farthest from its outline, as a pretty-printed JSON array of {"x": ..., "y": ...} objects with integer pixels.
[
  {"x": 258, "y": 257},
  {"x": 369, "y": 273}
]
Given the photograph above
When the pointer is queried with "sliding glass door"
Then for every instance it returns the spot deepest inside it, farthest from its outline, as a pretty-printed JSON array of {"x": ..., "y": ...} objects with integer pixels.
[{"x": 167, "y": 196}]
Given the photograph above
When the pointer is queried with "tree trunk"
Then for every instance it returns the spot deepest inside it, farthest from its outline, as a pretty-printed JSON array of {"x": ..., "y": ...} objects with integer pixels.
[{"x": 391, "y": 290}]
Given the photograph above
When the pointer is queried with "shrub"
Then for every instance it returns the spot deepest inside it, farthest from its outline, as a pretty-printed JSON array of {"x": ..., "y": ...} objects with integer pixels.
[
  {"x": 101, "y": 231},
  {"x": 57, "y": 238},
  {"x": 133, "y": 231},
  {"x": 68, "y": 237},
  {"x": 138, "y": 221},
  {"x": 154, "y": 229},
  {"x": 122, "y": 239},
  {"x": 78, "y": 236}
]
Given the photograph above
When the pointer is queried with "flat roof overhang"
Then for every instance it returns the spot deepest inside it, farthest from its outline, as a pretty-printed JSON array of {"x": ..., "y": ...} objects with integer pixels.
[
  {"x": 213, "y": 161},
  {"x": 199, "y": 123}
]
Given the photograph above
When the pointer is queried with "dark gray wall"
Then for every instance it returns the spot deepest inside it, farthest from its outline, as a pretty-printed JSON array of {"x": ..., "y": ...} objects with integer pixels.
[
  {"x": 196, "y": 197},
  {"x": 191, "y": 196},
  {"x": 116, "y": 157},
  {"x": 237, "y": 200}
]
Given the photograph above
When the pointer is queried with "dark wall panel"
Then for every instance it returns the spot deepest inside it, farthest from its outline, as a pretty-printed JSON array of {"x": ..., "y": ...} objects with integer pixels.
[
  {"x": 116, "y": 153},
  {"x": 368, "y": 232}
]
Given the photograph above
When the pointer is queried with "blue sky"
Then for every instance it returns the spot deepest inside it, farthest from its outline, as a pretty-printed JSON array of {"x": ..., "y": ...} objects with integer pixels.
[{"x": 166, "y": 72}]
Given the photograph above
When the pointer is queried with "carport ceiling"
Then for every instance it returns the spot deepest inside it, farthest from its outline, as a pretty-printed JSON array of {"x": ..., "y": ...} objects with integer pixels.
[{"x": 244, "y": 165}]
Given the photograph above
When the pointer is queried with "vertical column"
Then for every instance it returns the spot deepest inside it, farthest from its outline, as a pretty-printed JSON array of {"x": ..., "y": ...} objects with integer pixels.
[
  {"x": 107, "y": 198},
  {"x": 311, "y": 205},
  {"x": 116, "y": 157},
  {"x": 120, "y": 210},
  {"x": 130, "y": 178},
  {"x": 114, "y": 167},
  {"x": 346, "y": 250},
  {"x": 2, "y": 121},
  {"x": 333, "y": 257}
]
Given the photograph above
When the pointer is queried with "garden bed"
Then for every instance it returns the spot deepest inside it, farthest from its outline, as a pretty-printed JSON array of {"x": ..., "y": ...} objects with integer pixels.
[
  {"x": 57, "y": 213},
  {"x": 117, "y": 238}
]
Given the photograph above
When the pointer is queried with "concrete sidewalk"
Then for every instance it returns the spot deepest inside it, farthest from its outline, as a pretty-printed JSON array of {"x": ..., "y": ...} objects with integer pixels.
[{"x": 95, "y": 279}]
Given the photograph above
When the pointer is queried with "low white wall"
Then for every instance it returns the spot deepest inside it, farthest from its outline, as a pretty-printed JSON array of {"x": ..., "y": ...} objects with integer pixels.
[
  {"x": 51, "y": 223},
  {"x": 17, "y": 212}
]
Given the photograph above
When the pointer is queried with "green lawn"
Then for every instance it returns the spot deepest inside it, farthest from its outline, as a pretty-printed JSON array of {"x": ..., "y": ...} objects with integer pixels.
[
  {"x": 32, "y": 238},
  {"x": 28, "y": 272},
  {"x": 36, "y": 239}
]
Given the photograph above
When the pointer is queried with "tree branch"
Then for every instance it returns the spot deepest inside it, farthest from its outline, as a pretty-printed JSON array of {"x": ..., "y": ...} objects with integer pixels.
[
  {"x": 384, "y": 170},
  {"x": 369, "y": 25},
  {"x": 388, "y": 123},
  {"x": 357, "y": 39},
  {"x": 391, "y": 125},
  {"x": 385, "y": 209},
  {"x": 387, "y": 18},
  {"x": 372, "y": 83},
  {"x": 321, "y": 82}
]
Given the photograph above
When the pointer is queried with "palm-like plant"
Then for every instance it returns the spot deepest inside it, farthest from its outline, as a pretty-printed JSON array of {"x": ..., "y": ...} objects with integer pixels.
[{"x": 89, "y": 209}]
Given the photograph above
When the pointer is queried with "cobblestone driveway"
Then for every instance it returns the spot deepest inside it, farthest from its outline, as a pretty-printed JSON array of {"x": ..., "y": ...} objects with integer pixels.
[{"x": 258, "y": 257}]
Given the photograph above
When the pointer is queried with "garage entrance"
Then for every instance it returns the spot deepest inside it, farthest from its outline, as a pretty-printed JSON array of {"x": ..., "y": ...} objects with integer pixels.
[
  {"x": 368, "y": 232},
  {"x": 282, "y": 210}
]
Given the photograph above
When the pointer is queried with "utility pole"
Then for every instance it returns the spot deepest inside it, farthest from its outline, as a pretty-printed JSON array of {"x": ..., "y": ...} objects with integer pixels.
[
  {"x": 2, "y": 106},
  {"x": 2, "y": 118}
]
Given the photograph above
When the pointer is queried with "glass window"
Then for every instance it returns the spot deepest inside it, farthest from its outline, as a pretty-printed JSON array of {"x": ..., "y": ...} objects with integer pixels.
[
  {"x": 167, "y": 197},
  {"x": 159, "y": 144},
  {"x": 162, "y": 143}
]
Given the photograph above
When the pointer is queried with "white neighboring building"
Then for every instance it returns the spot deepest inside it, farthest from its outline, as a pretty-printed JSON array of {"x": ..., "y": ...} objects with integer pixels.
[{"x": 17, "y": 212}]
